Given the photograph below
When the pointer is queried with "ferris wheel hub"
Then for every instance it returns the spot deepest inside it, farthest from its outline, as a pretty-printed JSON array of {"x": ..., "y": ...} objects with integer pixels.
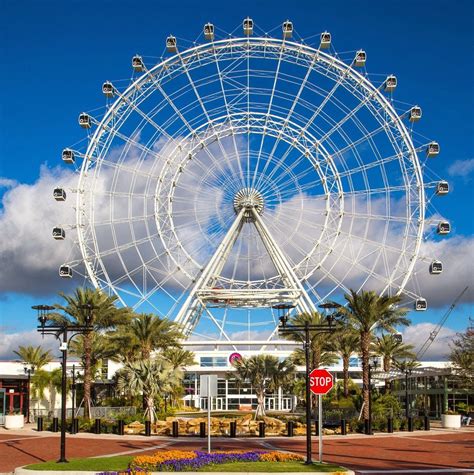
[{"x": 249, "y": 198}]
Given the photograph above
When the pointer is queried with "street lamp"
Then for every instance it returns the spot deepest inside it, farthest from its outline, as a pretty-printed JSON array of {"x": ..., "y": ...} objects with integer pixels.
[
  {"x": 372, "y": 366},
  {"x": 60, "y": 331},
  {"x": 29, "y": 370},
  {"x": 302, "y": 332}
]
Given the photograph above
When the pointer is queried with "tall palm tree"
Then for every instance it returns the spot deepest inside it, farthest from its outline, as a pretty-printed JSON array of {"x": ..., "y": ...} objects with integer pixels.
[
  {"x": 365, "y": 312},
  {"x": 151, "y": 378},
  {"x": 105, "y": 317},
  {"x": 321, "y": 353},
  {"x": 346, "y": 343},
  {"x": 265, "y": 373},
  {"x": 42, "y": 380},
  {"x": 391, "y": 350},
  {"x": 35, "y": 356},
  {"x": 144, "y": 334}
]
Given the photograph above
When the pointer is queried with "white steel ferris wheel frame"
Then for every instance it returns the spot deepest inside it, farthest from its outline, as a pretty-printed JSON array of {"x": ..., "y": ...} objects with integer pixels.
[{"x": 193, "y": 138}]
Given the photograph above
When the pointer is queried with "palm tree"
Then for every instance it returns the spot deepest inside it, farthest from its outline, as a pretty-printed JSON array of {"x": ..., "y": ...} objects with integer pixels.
[
  {"x": 144, "y": 334},
  {"x": 265, "y": 373},
  {"x": 321, "y": 353},
  {"x": 346, "y": 343},
  {"x": 365, "y": 312},
  {"x": 51, "y": 380},
  {"x": 391, "y": 350},
  {"x": 151, "y": 378},
  {"x": 35, "y": 356},
  {"x": 105, "y": 317}
]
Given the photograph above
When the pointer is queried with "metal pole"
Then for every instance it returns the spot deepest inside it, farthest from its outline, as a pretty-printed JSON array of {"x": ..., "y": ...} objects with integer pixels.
[
  {"x": 62, "y": 458},
  {"x": 308, "y": 396},
  {"x": 370, "y": 400},
  {"x": 28, "y": 397},
  {"x": 320, "y": 426},
  {"x": 209, "y": 402},
  {"x": 73, "y": 397},
  {"x": 406, "y": 395}
]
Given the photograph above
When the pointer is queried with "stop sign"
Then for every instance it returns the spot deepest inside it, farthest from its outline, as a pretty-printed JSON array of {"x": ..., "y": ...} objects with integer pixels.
[{"x": 320, "y": 381}]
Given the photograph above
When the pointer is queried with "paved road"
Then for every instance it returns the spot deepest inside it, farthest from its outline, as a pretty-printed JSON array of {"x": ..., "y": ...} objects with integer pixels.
[{"x": 440, "y": 450}]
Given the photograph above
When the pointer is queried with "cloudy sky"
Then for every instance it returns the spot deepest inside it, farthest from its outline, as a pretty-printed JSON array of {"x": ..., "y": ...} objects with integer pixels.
[{"x": 57, "y": 55}]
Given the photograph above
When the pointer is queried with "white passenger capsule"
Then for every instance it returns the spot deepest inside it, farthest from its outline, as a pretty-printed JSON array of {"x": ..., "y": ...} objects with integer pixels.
[
  {"x": 390, "y": 83},
  {"x": 209, "y": 31},
  {"x": 442, "y": 188},
  {"x": 436, "y": 267},
  {"x": 85, "y": 120},
  {"x": 420, "y": 305},
  {"x": 248, "y": 26},
  {"x": 415, "y": 114},
  {"x": 137, "y": 63},
  {"x": 59, "y": 233},
  {"x": 360, "y": 58},
  {"x": 59, "y": 194},
  {"x": 325, "y": 40},
  {"x": 432, "y": 149},
  {"x": 287, "y": 29},
  {"x": 171, "y": 44},
  {"x": 68, "y": 156},
  {"x": 444, "y": 227},
  {"x": 108, "y": 89},
  {"x": 65, "y": 271}
]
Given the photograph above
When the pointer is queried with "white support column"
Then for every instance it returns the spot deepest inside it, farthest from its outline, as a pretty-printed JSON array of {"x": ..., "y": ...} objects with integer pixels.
[{"x": 280, "y": 395}]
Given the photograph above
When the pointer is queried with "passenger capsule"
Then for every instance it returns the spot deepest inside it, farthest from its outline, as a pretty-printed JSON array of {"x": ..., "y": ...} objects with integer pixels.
[
  {"x": 68, "y": 156},
  {"x": 436, "y": 267},
  {"x": 287, "y": 29},
  {"x": 108, "y": 89},
  {"x": 432, "y": 149},
  {"x": 442, "y": 188},
  {"x": 444, "y": 227},
  {"x": 65, "y": 271},
  {"x": 415, "y": 114},
  {"x": 171, "y": 45},
  {"x": 85, "y": 120},
  {"x": 325, "y": 40},
  {"x": 59, "y": 233},
  {"x": 360, "y": 58},
  {"x": 59, "y": 194},
  {"x": 420, "y": 305},
  {"x": 390, "y": 83},
  {"x": 248, "y": 26},
  {"x": 209, "y": 31},
  {"x": 137, "y": 64}
]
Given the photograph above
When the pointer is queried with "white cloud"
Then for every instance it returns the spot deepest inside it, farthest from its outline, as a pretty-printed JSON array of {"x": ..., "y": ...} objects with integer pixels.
[
  {"x": 417, "y": 335},
  {"x": 11, "y": 342},
  {"x": 461, "y": 168},
  {"x": 7, "y": 183}
]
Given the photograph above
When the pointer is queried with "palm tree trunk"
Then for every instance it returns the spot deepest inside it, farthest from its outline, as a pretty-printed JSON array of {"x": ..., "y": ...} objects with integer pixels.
[
  {"x": 150, "y": 404},
  {"x": 261, "y": 405},
  {"x": 87, "y": 375},
  {"x": 365, "y": 348},
  {"x": 345, "y": 371}
]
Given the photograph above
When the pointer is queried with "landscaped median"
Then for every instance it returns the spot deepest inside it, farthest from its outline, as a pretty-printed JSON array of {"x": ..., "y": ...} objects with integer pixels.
[{"x": 246, "y": 461}]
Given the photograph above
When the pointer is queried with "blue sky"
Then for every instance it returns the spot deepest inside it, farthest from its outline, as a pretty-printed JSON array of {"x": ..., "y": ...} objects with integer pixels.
[{"x": 56, "y": 56}]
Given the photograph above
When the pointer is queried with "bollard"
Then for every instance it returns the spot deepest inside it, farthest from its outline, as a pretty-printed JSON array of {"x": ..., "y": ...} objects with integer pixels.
[
  {"x": 233, "y": 429},
  {"x": 202, "y": 430},
  {"x": 148, "y": 428},
  {"x": 261, "y": 429},
  {"x": 120, "y": 427},
  {"x": 427, "y": 423},
  {"x": 75, "y": 422},
  {"x": 367, "y": 427},
  {"x": 316, "y": 425},
  {"x": 390, "y": 425},
  {"x": 55, "y": 427},
  {"x": 291, "y": 428},
  {"x": 175, "y": 429},
  {"x": 410, "y": 424},
  {"x": 39, "y": 423},
  {"x": 97, "y": 427},
  {"x": 343, "y": 427}
]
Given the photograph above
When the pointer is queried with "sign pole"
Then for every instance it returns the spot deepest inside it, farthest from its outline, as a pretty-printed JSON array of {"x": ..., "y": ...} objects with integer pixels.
[
  {"x": 320, "y": 426},
  {"x": 209, "y": 402}
]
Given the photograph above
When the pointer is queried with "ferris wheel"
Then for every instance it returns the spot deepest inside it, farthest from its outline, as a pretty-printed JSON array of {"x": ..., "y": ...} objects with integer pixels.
[{"x": 245, "y": 171}]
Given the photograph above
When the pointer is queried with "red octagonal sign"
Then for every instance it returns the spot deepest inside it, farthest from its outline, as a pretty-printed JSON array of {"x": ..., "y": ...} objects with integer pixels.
[{"x": 320, "y": 381}]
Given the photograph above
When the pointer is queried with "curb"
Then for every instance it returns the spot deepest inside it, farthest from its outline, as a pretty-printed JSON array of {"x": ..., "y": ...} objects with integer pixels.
[{"x": 24, "y": 471}]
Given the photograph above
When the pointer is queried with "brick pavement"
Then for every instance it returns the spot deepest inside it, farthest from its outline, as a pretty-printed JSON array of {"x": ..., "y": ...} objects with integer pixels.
[{"x": 416, "y": 451}]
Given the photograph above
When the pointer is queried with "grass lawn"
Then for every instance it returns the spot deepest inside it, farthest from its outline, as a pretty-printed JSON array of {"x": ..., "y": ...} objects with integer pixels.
[{"x": 121, "y": 463}]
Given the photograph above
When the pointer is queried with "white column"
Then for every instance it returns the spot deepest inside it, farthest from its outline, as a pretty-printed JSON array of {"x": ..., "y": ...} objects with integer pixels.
[
  {"x": 280, "y": 394},
  {"x": 226, "y": 395}
]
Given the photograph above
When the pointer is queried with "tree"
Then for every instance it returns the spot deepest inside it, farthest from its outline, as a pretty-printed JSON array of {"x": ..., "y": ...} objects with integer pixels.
[
  {"x": 265, "y": 373},
  {"x": 105, "y": 317},
  {"x": 144, "y": 334},
  {"x": 35, "y": 356},
  {"x": 152, "y": 378},
  {"x": 391, "y": 350},
  {"x": 462, "y": 358},
  {"x": 321, "y": 353},
  {"x": 346, "y": 343},
  {"x": 365, "y": 312},
  {"x": 51, "y": 380}
]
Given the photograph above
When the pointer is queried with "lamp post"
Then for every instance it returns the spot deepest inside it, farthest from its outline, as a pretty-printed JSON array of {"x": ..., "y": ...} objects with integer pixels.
[
  {"x": 29, "y": 370},
  {"x": 407, "y": 406},
  {"x": 64, "y": 332},
  {"x": 74, "y": 375},
  {"x": 372, "y": 366},
  {"x": 303, "y": 334}
]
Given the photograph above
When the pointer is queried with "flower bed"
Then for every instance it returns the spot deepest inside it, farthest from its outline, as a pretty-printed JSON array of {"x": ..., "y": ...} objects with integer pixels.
[{"x": 180, "y": 461}]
